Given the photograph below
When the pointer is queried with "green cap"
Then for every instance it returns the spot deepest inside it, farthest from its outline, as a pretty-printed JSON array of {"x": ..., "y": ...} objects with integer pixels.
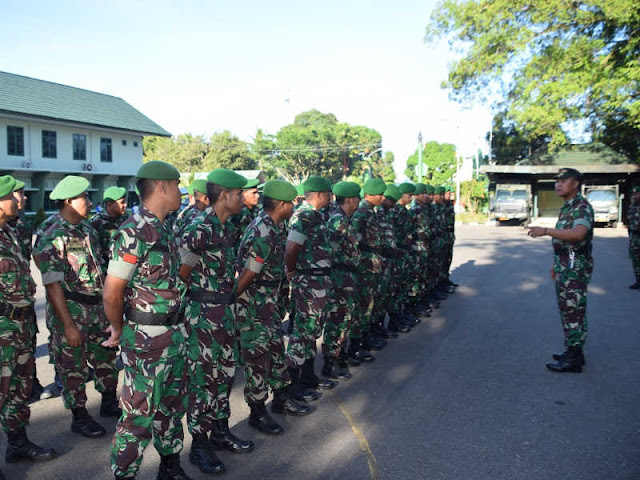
[
  {"x": 429, "y": 189},
  {"x": 316, "y": 184},
  {"x": 346, "y": 189},
  {"x": 19, "y": 185},
  {"x": 69, "y": 187},
  {"x": 199, "y": 185},
  {"x": 114, "y": 193},
  {"x": 636, "y": 189},
  {"x": 407, "y": 187},
  {"x": 158, "y": 170},
  {"x": 393, "y": 192},
  {"x": 374, "y": 186},
  {"x": 280, "y": 190},
  {"x": 420, "y": 189},
  {"x": 227, "y": 178},
  {"x": 569, "y": 173},
  {"x": 252, "y": 184},
  {"x": 7, "y": 185},
  {"x": 438, "y": 190},
  {"x": 300, "y": 190}
]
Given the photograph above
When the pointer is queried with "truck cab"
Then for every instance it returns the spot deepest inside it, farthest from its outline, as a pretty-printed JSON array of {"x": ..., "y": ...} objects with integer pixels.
[
  {"x": 604, "y": 200},
  {"x": 511, "y": 202}
]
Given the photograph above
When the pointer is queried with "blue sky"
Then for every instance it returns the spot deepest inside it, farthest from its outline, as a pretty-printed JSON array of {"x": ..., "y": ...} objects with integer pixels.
[{"x": 204, "y": 66}]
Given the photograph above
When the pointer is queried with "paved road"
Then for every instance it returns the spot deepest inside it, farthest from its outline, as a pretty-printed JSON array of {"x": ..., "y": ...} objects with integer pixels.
[{"x": 464, "y": 396}]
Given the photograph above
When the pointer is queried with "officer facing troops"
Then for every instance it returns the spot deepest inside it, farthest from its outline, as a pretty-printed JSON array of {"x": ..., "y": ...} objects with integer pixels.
[
  {"x": 260, "y": 265},
  {"x": 69, "y": 257},
  {"x": 633, "y": 217},
  {"x": 17, "y": 336},
  {"x": 572, "y": 267},
  {"x": 114, "y": 200}
]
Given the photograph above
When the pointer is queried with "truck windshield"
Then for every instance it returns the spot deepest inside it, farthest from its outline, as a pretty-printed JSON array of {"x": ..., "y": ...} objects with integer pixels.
[
  {"x": 511, "y": 195},
  {"x": 601, "y": 196}
]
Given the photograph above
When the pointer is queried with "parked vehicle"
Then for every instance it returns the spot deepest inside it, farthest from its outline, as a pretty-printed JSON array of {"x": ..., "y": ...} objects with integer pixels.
[
  {"x": 604, "y": 200},
  {"x": 511, "y": 202}
]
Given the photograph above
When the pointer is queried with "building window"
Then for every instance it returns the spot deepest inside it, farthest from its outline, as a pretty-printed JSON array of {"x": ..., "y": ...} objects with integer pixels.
[
  {"x": 124, "y": 143},
  {"x": 105, "y": 150},
  {"x": 79, "y": 146},
  {"x": 15, "y": 141},
  {"x": 135, "y": 144},
  {"x": 49, "y": 144}
]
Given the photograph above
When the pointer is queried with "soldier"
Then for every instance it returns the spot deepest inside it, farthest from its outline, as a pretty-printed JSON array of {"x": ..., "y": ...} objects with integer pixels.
[
  {"x": 440, "y": 238},
  {"x": 69, "y": 257},
  {"x": 450, "y": 223},
  {"x": 633, "y": 216},
  {"x": 346, "y": 257},
  {"x": 198, "y": 202},
  {"x": 419, "y": 212},
  {"x": 572, "y": 267},
  {"x": 208, "y": 252},
  {"x": 250, "y": 210},
  {"x": 108, "y": 220},
  {"x": 17, "y": 336},
  {"x": 260, "y": 265},
  {"x": 143, "y": 285},
  {"x": 308, "y": 260}
]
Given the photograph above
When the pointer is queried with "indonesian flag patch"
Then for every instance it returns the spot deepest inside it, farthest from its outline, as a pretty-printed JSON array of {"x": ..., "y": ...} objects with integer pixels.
[{"x": 129, "y": 258}]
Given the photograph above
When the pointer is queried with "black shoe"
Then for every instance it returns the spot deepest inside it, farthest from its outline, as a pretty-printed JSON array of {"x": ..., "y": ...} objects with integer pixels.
[
  {"x": 203, "y": 456},
  {"x": 262, "y": 421},
  {"x": 397, "y": 326},
  {"x": 109, "y": 406},
  {"x": 301, "y": 394},
  {"x": 19, "y": 447},
  {"x": 452, "y": 284},
  {"x": 333, "y": 370},
  {"x": 85, "y": 425},
  {"x": 635, "y": 286},
  {"x": 354, "y": 361},
  {"x": 222, "y": 439},
  {"x": 374, "y": 343},
  {"x": 566, "y": 354},
  {"x": 36, "y": 391},
  {"x": 357, "y": 351},
  {"x": 310, "y": 380},
  {"x": 284, "y": 404},
  {"x": 572, "y": 361},
  {"x": 170, "y": 468}
]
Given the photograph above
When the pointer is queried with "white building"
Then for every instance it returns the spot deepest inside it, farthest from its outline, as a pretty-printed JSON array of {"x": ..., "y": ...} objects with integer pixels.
[{"x": 48, "y": 130}]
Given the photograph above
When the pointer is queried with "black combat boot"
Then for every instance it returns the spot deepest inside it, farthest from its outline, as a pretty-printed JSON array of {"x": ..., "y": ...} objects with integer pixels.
[
  {"x": 109, "y": 406},
  {"x": 572, "y": 361},
  {"x": 19, "y": 447},
  {"x": 373, "y": 343},
  {"x": 262, "y": 421},
  {"x": 566, "y": 354},
  {"x": 351, "y": 353},
  {"x": 170, "y": 468},
  {"x": 297, "y": 391},
  {"x": 222, "y": 438},
  {"x": 357, "y": 351},
  {"x": 636, "y": 285},
  {"x": 332, "y": 370},
  {"x": 85, "y": 425},
  {"x": 342, "y": 366},
  {"x": 451, "y": 283},
  {"x": 203, "y": 456},
  {"x": 309, "y": 379},
  {"x": 284, "y": 403}
]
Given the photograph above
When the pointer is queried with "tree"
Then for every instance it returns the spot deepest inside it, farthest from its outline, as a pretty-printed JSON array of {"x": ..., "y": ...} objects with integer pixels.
[
  {"x": 228, "y": 151},
  {"x": 440, "y": 160},
  {"x": 550, "y": 63},
  {"x": 472, "y": 192},
  {"x": 186, "y": 152},
  {"x": 509, "y": 144}
]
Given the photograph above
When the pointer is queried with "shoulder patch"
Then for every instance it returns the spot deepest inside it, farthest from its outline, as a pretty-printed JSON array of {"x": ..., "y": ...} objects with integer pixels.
[{"x": 129, "y": 258}]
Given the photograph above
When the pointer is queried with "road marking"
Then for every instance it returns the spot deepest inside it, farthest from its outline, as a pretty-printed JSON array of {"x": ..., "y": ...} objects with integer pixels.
[{"x": 364, "y": 444}]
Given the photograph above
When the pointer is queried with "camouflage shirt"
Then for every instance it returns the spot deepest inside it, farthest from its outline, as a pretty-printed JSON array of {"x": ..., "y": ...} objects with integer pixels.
[
  {"x": 262, "y": 249},
  {"x": 402, "y": 226},
  {"x": 437, "y": 221},
  {"x": 184, "y": 219},
  {"x": 70, "y": 254},
  {"x": 43, "y": 228},
  {"x": 577, "y": 211},
  {"x": 370, "y": 237},
  {"x": 421, "y": 226},
  {"x": 209, "y": 246},
  {"x": 24, "y": 233},
  {"x": 450, "y": 219},
  {"x": 344, "y": 244},
  {"x": 633, "y": 217},
  {"x": 242, "y": 220},
  {"x": 386, "y": 219},
  {"x": 144, "y": 253},
  {"x": 17, "y": 288},
  {"x": 308, "y": 229},
  {"x": 106, "y": 227}
]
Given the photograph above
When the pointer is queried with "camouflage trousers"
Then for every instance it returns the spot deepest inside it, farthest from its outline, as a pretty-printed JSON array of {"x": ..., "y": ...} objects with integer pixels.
[
  {"x": 571, "y": 293},
  {"x": 17, "y": 366},
  {"x": 72, "y": 363},
  {"x": 309, "y": 297},
  {"x": 423, "y": 274},
  {"x": 449, "y": 253},
  {"x": 262, "y": 352},
  {"x": 339, "y": 313},
  {"x": 634, "y": 254},
  {"x": 365, "y": 295},
  {"x": 381, "y": 299},
  {"x": 212, "y": 352},
  {"x": 153, "y": 397}
]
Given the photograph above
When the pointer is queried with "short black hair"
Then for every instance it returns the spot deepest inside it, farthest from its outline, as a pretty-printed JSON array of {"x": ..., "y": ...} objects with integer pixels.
[
  {"x": 145, "y": 187},
  {"x": 270, "y": 204},
  {"x": 213, "y": 192},
  {"x": 340, "y": 200}
]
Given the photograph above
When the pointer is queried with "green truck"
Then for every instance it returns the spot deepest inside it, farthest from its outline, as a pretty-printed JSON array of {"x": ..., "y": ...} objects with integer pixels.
[
  {"x": 605, "y": 202},
  {"x": 511, "y": 202}
]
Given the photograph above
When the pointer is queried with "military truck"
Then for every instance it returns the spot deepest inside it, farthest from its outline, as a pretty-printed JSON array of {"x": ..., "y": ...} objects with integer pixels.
[
  {"x": 604, "y": 200},
  {"x": 511, "y": 202}
]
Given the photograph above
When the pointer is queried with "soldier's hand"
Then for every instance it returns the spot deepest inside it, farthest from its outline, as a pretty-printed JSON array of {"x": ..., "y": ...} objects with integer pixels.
[
  {"x": 536, "y": 232},
  {"x": 114, "y": 337},
  {"x": 73, "y": 336}
]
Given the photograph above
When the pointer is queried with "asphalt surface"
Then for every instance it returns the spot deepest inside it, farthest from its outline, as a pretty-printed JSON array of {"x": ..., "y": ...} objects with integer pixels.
[{"x": 465, "y": 395}]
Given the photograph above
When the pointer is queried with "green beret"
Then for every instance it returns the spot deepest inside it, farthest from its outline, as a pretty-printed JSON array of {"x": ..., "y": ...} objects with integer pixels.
[
  {"x": 346, "y": 189},
  {"x": 7, "y": 184},
  {"x": 393, "y": 192},
  {"x": 438, "y": 190},
  {"x": 69, "y": 187},
  {"x": 374, "y": 186},
  {"x": 157, "y": 170},
  {"x": 316, "y": 184},
  {"x": 636, "y": 189},
  {"x": 18, "y": 186},
  {"x": 407, "y": 187},
  {"x": 114, "y": 193},
  {"x": 429, "y": 189},
  {"x": 251, "y": 184},
  {"x": 280, "y": 190},
  {"x": 300, "y": 190},
  {"x": 569, "y": 173},
  {"x": 199, "y": 185},
  {"x": 227, "y": 178},
  {"x": 420, "y": 189}
]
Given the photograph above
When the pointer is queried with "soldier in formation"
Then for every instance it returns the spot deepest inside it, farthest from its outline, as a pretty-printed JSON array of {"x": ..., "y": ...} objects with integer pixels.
[{"x": 633, "y": 217}]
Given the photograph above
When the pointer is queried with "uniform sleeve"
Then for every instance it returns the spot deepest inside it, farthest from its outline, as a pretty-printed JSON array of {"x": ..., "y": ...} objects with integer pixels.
[
  {"x": 257, "y": 254},
  {"x": 126, "y": 251},
  {"x": 584, "y": 216},
  {"x": 298, "y": 230},
  {"x": 51, "y": 259},
  {"x": 193, "y": 241}
]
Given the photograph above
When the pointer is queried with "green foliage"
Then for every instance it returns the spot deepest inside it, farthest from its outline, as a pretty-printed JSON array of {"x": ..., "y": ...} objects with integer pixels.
[
  {"x": 473, "y": 193},
  {"x": 550, "y": 63},
  {"x": 439, "y": 160},
  {"x": 509, "y": 144},
  {"x": 228, "y": 151}
]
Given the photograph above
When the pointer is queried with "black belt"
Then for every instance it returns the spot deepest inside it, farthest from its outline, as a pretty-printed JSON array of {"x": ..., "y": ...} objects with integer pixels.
[
  {"x": 16, "y": 313},
  {"x": 314, "y": 272},
  {"x": 566, "y": 251},
  {"x": 149, "y": 318},
  {"x": 267, "y": 283},
  {"x": 215, "y": 298},
  {"x": 343, "y": 267},
  {"x": 367, "y": 248},
  {"x": 82, "y": 298}
]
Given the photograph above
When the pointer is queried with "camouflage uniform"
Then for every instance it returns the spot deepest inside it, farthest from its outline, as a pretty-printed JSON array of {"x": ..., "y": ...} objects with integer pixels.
[
  {"x": 450, "y": 235},
  {"x": 572, "y": 266},
  {"x": 24, "y": 233},
  {"x": 106, "y": 227},
  {"x": 311, "y": 283},
  {"x": 258, "y": 314},
  {"x": 383, "y": 301},
  {"x": 422, "y": 248},
  {"x": 438, "y": 252},
  {"x": 70, "y": 254},
  {"x": 340, "y": 305},
  {"x": 209, "y": 246},
  {"x": 17, "y": 333},
  {"x": 243, "y": 219},
  {"x": 153, "y": 397},
  {"x": 633, "y": 217},
  {"x": 404, "y": 265},
  {"x": 184, "y": 219}
]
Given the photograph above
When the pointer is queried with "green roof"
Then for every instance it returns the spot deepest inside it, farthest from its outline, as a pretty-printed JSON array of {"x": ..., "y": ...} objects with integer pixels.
[
  {"x": 576, "y": 156},
  {"x": 38, "y": 98}
]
